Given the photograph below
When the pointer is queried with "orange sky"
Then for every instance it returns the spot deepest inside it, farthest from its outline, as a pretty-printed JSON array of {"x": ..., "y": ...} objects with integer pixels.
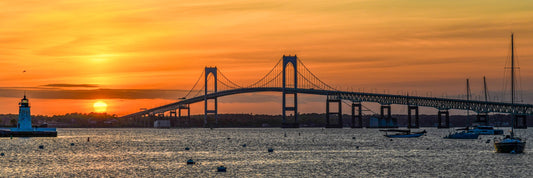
[{"x": 141, "y": 54}]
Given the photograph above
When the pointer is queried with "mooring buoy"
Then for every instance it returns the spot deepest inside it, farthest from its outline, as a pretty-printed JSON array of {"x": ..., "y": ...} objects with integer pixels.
[
  {"x": 190, "y": 161},
  {"x": 221, "y": 169}
]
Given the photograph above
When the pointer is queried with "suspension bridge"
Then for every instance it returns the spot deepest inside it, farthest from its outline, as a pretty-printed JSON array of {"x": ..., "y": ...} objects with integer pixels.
[{"x": 291, "y": 77}]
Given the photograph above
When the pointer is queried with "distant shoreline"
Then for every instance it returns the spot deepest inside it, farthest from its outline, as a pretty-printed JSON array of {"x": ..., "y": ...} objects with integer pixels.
[{"x": 310, "y": 120}]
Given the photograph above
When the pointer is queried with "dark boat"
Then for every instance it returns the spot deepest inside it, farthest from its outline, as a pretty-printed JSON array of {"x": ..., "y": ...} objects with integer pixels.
[
  {"x": 511, "y": 144},
  {"x": 483, "y": 128},
  {"x": 399, "y": 133},
  {"x": 462, "y": 135},
  {"x": 486, "y": 130}
]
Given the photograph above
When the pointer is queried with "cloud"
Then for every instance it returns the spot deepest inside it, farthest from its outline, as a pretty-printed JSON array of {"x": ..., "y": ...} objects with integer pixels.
[
  {"x": 47, "y": 93},
  {"x": 65, "y": 85}
]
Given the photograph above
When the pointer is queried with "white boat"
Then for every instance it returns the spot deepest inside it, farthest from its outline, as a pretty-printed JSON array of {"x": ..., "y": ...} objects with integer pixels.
[
  {"x": 403, "y": 133},
  {"x": 485, "y": 130}
]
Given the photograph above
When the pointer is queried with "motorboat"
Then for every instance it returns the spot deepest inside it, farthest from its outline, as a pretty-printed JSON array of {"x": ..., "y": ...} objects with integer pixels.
[
  {"x": 462, "y": 135},
  {"x": 399, "y": 133},
  {"x": 485, "y": 130}
]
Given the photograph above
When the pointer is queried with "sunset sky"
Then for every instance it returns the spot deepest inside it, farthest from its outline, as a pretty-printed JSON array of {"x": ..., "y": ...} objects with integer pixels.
[{"x": 140, "y": 54}]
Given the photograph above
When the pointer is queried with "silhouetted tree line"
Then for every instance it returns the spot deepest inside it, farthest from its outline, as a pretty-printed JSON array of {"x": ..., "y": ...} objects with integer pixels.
[
  {"x": 67, "y": 120},
  {"x": 228, "y": 120},
  {"x": 309, "y": 120}
]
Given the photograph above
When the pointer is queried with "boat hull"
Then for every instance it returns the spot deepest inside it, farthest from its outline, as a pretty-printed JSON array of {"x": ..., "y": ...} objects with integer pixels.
[
  {"x": 405, "y": 136},
  {"x": 462, "y": 136},
  {"x": 487, "y": 132},
  {"x": 517, "y": 147}
]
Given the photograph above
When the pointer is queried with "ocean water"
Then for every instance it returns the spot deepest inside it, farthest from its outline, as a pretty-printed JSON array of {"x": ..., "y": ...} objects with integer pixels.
[{"x": 303, "y": 152}]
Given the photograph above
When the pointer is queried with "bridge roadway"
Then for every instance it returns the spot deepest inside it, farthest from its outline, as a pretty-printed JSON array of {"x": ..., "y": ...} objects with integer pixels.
[{"x": 384, "y": 99}]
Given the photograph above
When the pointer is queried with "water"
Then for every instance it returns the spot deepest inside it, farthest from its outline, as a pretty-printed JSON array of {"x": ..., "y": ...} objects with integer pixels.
[{"x": 304, "y": 152}]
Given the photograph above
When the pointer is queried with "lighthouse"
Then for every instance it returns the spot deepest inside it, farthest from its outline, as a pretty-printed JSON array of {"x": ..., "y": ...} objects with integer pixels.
[
  {"x": 24, "y": 122},
  {"x": 24, "y": 128}
]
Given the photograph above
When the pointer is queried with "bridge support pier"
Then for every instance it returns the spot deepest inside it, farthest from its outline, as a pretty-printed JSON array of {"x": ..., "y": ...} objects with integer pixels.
[
  {"x": 520, "y": 125},
  {"x": 446, "y": 113},
  {"x": 359, "y": 115},
  {"x": 172, "y": 113},
  {"x": 151, "y": 117},
  {"x": 386, "y": 121},
  {"x": 336, "y": 100},
  {"x": 482, "y": 118},
  {"x": 173, "y": 118},
  {"x": 186, "y": 107},
  {"x": 409, "y": 117}
]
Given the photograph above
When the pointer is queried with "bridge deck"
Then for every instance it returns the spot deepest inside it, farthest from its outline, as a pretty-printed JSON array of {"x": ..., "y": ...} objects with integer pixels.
[{"x": 439, "y": 103}]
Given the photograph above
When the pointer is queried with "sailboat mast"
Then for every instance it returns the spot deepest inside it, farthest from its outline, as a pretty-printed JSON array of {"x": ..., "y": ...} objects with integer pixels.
[
  {"x": 512, "y": 69},
  {"x": 485, "y": 89},
  {"x": 468, "y": 99},
  {"x": 467, "y": 89},
  {"x": 512, "y": 86}
]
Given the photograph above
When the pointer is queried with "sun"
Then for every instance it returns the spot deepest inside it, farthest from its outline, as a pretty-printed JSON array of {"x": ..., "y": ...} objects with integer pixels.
[{"x": 100, "y": 106}]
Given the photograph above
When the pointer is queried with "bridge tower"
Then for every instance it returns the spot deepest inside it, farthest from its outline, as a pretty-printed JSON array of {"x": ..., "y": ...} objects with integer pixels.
[
  {"x": 208, "y": 71},
  {"x": 286, "y": 91}
]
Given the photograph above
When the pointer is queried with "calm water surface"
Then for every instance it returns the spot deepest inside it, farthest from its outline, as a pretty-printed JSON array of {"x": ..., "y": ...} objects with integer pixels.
[{"x": 304, "y": 152}]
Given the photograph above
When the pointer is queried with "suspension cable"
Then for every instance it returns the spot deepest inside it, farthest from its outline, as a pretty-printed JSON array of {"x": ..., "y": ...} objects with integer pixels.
[
  {"x": 314, "y": 76},
  {"x": 187, "y": 95},
  {"x": 231, "y": 82},
  {"x": 265, "y": 76}
]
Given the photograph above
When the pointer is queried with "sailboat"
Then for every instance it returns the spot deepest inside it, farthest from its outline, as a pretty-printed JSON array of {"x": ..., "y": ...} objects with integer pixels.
[
  {"x": 511, "y": 143},
  {"x": 464, "y": 133},
  {"x": 485, "y": 129}
]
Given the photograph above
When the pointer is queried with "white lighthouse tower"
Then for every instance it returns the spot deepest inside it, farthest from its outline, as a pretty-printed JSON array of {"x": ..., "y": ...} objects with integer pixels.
[
  {"x": 24, "y": 122},
  {"x": 24, "y": 128}
]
